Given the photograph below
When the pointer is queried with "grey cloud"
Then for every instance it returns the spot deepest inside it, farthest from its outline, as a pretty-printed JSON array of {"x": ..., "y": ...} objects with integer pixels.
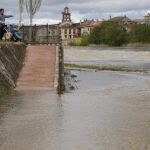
[{"x": 51, "y": 9}]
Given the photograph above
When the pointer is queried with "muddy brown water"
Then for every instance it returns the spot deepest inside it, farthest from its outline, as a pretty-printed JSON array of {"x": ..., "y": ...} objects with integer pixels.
[{"x": 107, "y": 111}]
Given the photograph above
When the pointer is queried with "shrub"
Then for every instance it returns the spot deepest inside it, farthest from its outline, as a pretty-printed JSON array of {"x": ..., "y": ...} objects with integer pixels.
[
  {"x": 140, "y": 33},
  {"x": 82, "y": 41},
  {"x": 109, "y": 33}
]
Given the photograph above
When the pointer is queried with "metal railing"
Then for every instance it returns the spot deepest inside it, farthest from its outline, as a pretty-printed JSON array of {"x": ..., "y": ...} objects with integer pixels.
[
  {"x": 47, "y": 35},
  {"x": 44, "y": 34}
]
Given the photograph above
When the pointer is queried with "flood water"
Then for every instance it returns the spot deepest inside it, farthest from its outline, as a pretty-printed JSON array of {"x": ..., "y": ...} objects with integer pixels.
[
  {"x": 107, "y": 111},
  {"x": 138, "y": 58}
]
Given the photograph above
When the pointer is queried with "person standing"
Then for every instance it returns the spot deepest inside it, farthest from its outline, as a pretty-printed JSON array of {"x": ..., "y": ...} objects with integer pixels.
[{"x": 2, "y": 22}]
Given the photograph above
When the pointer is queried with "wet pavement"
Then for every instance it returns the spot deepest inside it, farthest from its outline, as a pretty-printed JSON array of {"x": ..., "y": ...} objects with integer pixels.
[
  {"x": 39, "y": 67},
  {"x": 107, "y": 111}
]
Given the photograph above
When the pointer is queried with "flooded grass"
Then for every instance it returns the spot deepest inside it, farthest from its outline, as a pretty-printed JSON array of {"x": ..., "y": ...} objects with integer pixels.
[{"x": 103, "y": 68}]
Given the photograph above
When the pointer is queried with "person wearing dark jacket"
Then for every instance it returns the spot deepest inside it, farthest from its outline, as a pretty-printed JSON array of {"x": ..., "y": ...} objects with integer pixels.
[{"x": 2, "y": 22}]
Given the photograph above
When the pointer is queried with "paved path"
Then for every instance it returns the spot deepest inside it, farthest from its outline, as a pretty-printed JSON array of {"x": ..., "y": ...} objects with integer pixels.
[{"x": 39, "y": 68}]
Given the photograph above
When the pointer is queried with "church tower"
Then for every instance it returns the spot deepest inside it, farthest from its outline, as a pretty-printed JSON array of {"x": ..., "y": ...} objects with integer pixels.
[{"x": 66, "y": 16}]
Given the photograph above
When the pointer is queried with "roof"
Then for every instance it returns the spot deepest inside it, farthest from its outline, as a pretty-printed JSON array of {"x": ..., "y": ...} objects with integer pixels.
[
  {"x": 94, "y": 24},
  {"x": 121, "y": 18},
  {"x": 90, "y": 23}
]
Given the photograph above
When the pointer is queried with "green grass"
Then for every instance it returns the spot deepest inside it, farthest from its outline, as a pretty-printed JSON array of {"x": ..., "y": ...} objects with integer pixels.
[{"x": 103, "y": 68}]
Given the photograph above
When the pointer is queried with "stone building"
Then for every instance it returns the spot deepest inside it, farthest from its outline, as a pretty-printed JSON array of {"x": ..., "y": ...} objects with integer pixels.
[
  {"x": 88, "y": 25},
  {"x": 147, "y": 19},
  {"x": 125, "y": 22},
  {"x": 69, "y": 30}
]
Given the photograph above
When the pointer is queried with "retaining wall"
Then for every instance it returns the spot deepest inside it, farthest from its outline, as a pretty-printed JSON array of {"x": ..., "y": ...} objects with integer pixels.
[{"x": 11, "y": 61}]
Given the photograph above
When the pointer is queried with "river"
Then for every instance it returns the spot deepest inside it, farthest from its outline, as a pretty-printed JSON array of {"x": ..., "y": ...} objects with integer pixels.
[{"x": 106, "y": 111}]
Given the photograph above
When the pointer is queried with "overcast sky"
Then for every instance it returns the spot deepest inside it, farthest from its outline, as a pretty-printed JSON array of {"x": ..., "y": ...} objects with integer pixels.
[{"x": 50, "y": 11}]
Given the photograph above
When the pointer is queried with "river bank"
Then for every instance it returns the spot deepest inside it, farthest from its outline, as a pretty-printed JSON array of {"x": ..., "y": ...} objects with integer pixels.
[
  {"x": 79, "y": 67},
  {"x": 129, "y": 45}
]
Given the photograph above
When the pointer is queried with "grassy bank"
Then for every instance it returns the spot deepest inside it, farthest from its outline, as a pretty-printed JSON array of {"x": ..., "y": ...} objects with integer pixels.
[
  {"x": 102, "y": 68},
  {"x": 129, "y": 45}
]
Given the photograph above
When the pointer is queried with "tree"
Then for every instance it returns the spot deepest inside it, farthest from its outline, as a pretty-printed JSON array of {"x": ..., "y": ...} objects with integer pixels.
[
  {"x": 32, "y": 7},
  {"x": 109, "y": 33},
  {"x": 21, "y": 3},
  {"x": 140, "y": 33}
]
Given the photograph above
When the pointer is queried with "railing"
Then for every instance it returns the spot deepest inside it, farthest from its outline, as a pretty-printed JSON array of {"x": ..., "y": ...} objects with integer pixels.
[{"x": 44, "y": 34}]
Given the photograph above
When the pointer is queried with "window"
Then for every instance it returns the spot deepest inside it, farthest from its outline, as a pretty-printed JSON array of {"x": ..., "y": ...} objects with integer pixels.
[
  {"x": 69, "y": 31},
  {"x": 65, "y": 31},
  {"x": 74, "y": 31}
]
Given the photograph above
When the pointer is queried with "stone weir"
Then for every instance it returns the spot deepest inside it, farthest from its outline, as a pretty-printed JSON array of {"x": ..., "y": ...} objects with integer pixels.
[{"x": 11, "y": 61}]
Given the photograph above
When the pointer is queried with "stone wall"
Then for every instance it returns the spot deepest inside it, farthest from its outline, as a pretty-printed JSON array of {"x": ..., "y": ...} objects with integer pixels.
[{"x": 11, "y": 62}]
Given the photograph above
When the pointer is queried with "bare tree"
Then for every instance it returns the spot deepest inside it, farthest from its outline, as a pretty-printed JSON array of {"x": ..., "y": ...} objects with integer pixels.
[
  {"x": 32, "y": 7},
  {"x": 21, "y": 3}
]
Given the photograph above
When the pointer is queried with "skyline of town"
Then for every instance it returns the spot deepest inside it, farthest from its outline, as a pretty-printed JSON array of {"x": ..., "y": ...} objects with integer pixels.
[
  {"x": 51, "y": 13},
  {"x": 46, "y": 21}
]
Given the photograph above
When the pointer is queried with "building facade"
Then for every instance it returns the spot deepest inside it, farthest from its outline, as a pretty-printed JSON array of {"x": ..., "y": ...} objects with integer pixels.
[
  {"x": 126, "y": 23},
  {"x": 147, "y": 19},
  {"x": 87, "y": 26},
  {"x": 69, "y": 30}
]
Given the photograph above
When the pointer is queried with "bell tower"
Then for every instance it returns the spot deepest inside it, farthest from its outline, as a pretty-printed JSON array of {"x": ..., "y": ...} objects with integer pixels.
[{"x": 66, "y": 16}]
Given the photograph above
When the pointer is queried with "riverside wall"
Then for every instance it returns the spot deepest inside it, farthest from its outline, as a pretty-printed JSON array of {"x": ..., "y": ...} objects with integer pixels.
[{"x": 11, "y": 61}]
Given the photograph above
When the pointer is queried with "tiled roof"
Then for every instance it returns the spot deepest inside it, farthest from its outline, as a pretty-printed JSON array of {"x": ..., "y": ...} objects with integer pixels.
[
  {"x": 120, "y": 18},
  {"x": 90, "y": 23}
]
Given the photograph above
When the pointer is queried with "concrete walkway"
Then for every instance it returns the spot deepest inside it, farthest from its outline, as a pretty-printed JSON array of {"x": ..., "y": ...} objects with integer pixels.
[{"x": 39, "y": 67}]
